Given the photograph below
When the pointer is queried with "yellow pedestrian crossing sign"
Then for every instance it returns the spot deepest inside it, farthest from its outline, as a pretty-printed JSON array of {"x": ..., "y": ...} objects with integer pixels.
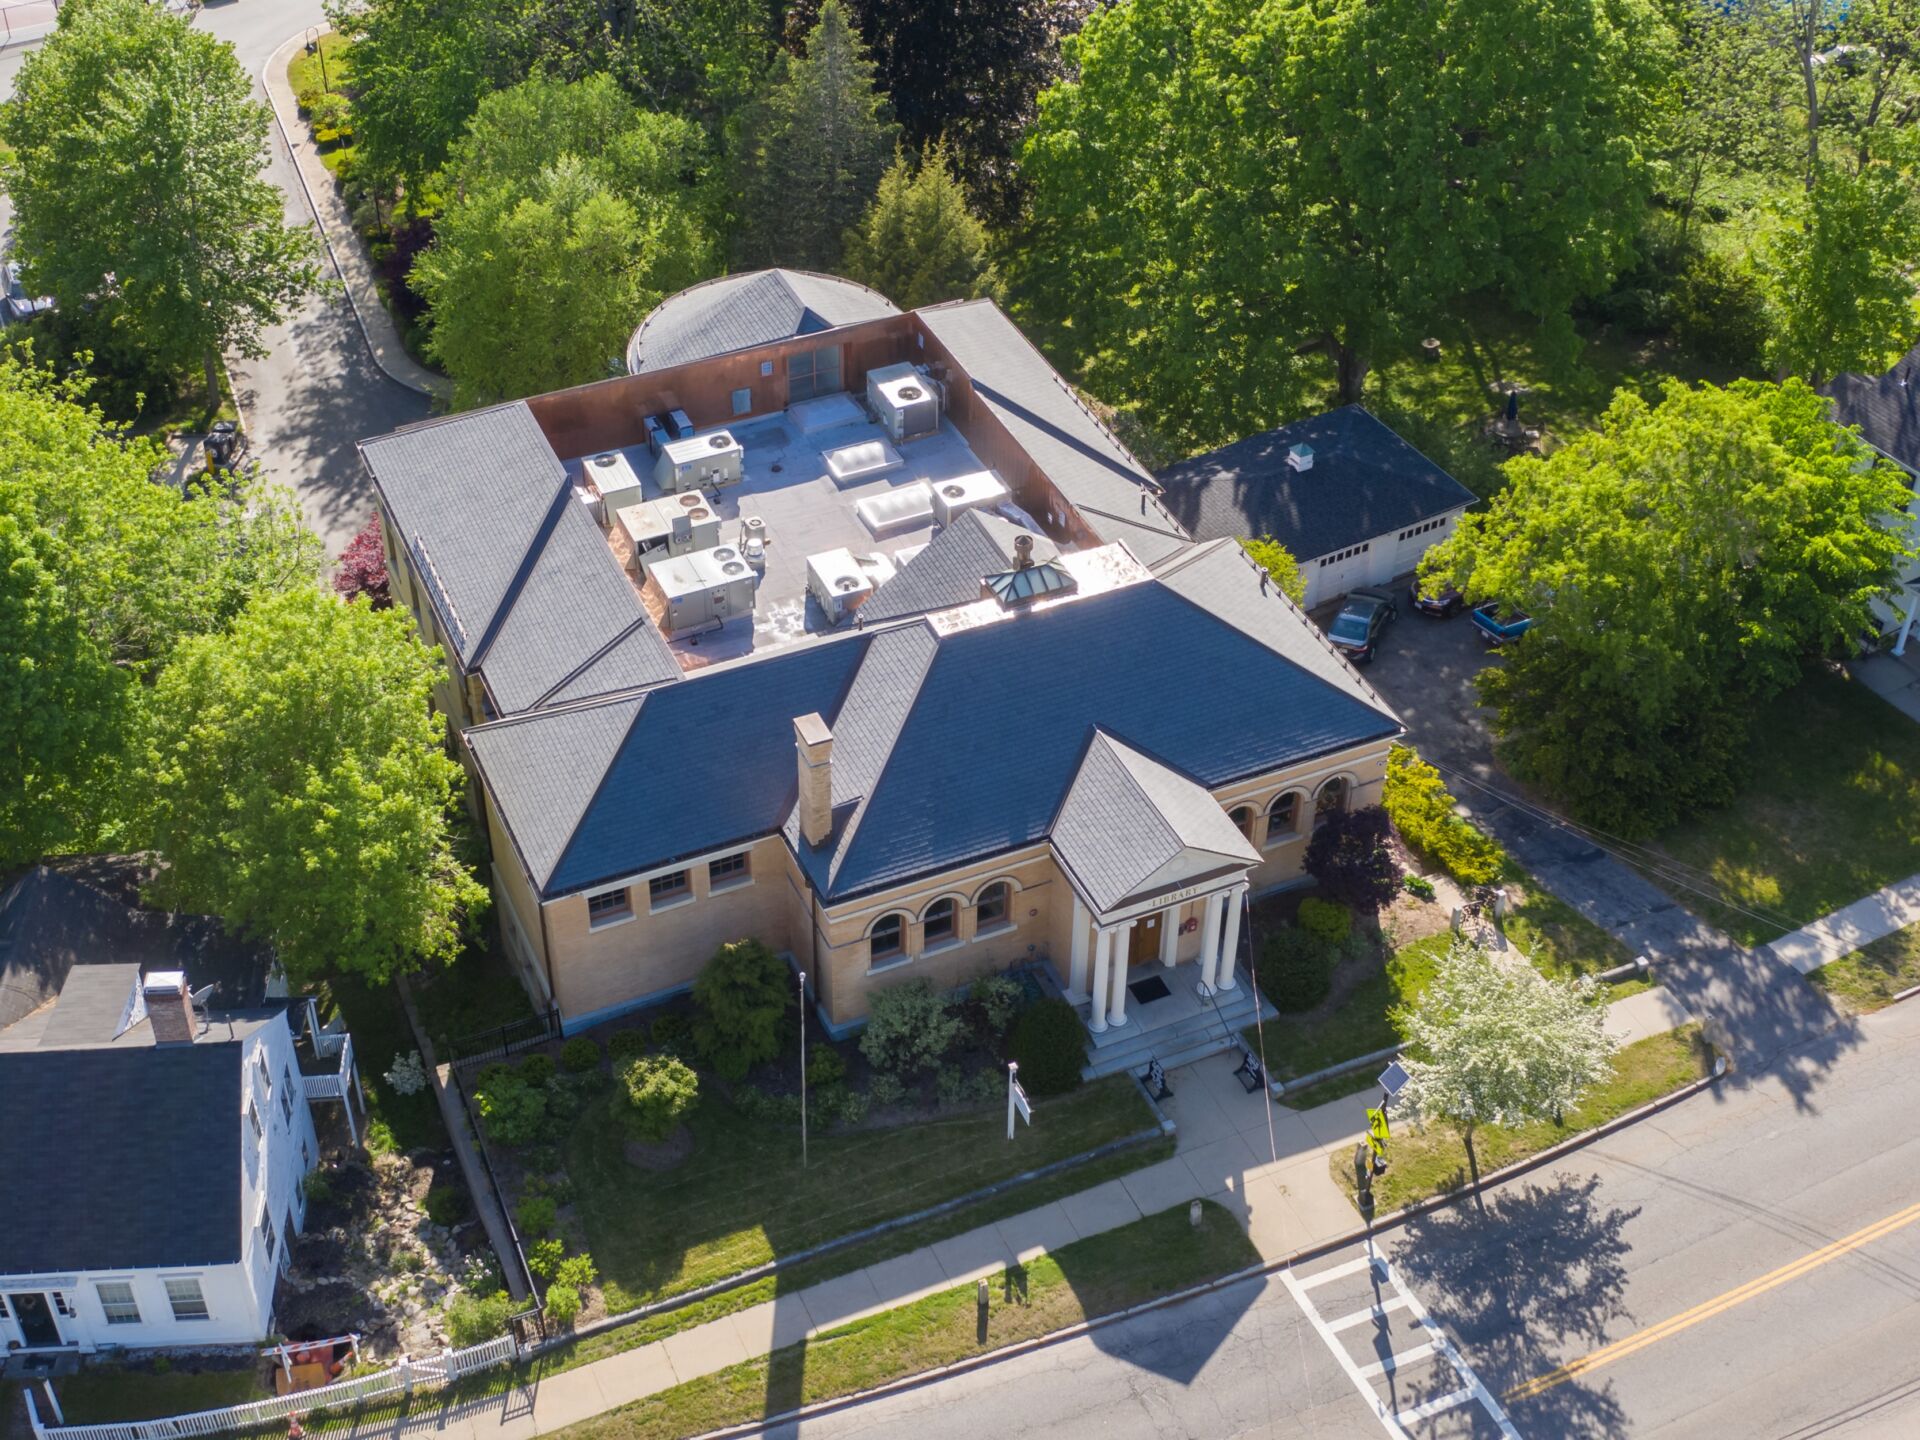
[{"x": 1377, "y": 1131}]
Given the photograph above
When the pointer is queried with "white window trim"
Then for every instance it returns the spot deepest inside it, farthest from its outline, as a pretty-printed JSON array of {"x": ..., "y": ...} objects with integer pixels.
[
  {"x": 200, "y": 1288},
  {"x": 133, "y": 1299}
]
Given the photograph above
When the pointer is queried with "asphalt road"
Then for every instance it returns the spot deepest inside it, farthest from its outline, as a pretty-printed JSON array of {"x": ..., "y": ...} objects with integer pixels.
[
  {"x": 318, "y": 391},
  {"x": 1712, "y": 1271}
]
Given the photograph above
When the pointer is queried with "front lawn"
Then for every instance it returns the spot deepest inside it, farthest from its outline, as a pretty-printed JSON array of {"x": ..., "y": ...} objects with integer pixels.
[
  {"x": 1353, "y": 1025},
  {"x": 1433, "y": 1159},
  {"x": 741, "y": 1197},
  {"x": 102, "y": 1394},
  {"x": 1155, "y": 1256},
  {"x": 1871, "y": 976},
  {"x": 1831, "y": 812},
  {"x": 1556, "y": 938}
]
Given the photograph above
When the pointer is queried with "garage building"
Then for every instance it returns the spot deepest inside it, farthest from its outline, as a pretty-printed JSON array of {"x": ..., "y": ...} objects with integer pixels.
[{"x": 1353, "y": 502}]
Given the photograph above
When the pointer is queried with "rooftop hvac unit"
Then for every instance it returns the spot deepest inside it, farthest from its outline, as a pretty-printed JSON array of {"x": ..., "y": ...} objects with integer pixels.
[
  {"x": 981, "y": 490},
  {"x": 613, "y": 475},
  {"x": 700, "y": 591},
  {"x": 839, "y": 582},
  {"x": 697, "y": 462},
  {"x": 676, "y": 525},
  {"x": 904, "y": 401}
]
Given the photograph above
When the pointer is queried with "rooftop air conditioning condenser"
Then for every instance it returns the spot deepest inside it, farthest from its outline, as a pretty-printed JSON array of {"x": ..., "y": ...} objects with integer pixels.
[
  {"x": 699, "y": 591},
  {"x": 698, "y": 462},
  {"x": 904, "y": 401},
  {"x": 981, "y": 490},
  {"x": 618, "y": 483}
]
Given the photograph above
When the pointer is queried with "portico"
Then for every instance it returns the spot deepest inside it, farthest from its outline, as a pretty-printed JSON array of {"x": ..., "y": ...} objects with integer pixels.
[{"x": 1111, "y": 951}]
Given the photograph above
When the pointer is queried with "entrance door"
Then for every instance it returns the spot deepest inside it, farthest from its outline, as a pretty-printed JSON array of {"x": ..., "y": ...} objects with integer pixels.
[
  {"x": 1145, "y": 948},
  {"x": 35, "y": 1316}
]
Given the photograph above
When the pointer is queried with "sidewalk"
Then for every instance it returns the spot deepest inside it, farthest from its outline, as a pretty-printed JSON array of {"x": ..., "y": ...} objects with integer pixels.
[
  {"x": 349, "y": 255},
  {"x": 1844, "y": 931},
  {"x": 1261, "y": 1161}
]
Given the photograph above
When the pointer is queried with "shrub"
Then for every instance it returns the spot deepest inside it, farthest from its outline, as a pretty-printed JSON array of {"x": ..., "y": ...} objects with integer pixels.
[
  {"x": 911, "y": 1028},
  {"x": 362, "y": 569},
  {"x": 448, "y": 1205},
  {"x": 539, "y": 1160},
  {"x": 563, "y": 1303},
  {"x": 887, "y": 1089},
  {"x": 1296, "y": 969},
  {"x": 1325, "y": 920},
  {"x": 332, "y": 115},
  {"x": 536, "y": 1069},
  {"x": 1417, "y": 802},
  {"x": 756, "y": 1104},
  {"x": 544, "y": 1257},
  {"x": 473, "y": 1318},
  {"x": 741, "y": 1000},
  {"x": 658, "y": 1093},
  {"x": 625, "y": 1045},
  {"x": 1348, "y": 856},
  {"x": 513, "y": 1111},
  {"x": 825, "y": 1068},
  {"x": 846, "y": 1107},
  {"x": 316, "y": 1187},
  {"x": 380, "y": 1139},
  {"x": 1719, "y": 311},
  {"x": 1420, "y": 885},
  {"x": 951, "y": 1085},
  {"x": 306, "y": 98},
  {"x": 1050, "y": 1044},
  {"x": 535, "y": 1215},
  {"x": 579, "y": 1055},
  {"x": 408, "y": 1075},
  {"x": 576, "y": 1270},
  {"x": 996, "y": 999},
  {"x": 673, "y": 1034}
]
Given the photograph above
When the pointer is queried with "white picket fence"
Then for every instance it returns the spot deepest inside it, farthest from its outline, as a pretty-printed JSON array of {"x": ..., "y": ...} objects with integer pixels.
[{"x": 408, "y": 1376}]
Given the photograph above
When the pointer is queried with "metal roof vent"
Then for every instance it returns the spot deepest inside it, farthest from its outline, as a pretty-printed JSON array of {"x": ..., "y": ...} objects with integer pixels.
[{"x": 1300, "y": 457}]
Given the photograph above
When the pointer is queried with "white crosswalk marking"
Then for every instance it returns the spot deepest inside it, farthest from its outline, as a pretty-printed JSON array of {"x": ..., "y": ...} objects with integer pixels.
[{"x": 1394, "y": 1421}]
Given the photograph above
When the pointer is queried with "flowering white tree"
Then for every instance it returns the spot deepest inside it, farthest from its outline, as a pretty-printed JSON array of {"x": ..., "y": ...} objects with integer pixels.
[{"x": 1502, "y": 1044}]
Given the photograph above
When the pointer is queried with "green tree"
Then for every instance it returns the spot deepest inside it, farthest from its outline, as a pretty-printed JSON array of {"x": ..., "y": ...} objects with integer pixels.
[
  {"x": 1494, "y": 1042},
  {"x": 1279, "y": 563},
  {"x": 1836, "y": 275},
  {"x": 1681, "y": 564},
  {"x": 918, "y": 244},
  {"x": 137, "y": 190},
  {"x": 741, "y": 1001},
  {"x": 295, "y": 777},
  {"x": 1220, "y": 194},
  {"x": 812, "y": 150},
  {"x": 572, "y": 216},
  {"x": 657, "y": 1092}
]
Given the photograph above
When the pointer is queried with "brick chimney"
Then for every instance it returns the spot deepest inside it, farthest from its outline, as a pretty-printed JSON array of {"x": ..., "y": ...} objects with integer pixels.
[
  {"x": 170, "y": 1008},
  {"x": 813, "y": 746}
]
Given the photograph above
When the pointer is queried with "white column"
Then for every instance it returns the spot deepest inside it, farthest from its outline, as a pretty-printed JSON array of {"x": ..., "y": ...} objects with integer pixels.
[
  {"x": 1230, "y": 944},
  {"x": 1906, "y": 626},
  {"x": 1077, "y": 976},
  {"x": 1102, "y": 955},
  {"x": 1122, "y": 938},
  {"x": 1170, "y": 935},
  {"x": 1210, "y": 942}
]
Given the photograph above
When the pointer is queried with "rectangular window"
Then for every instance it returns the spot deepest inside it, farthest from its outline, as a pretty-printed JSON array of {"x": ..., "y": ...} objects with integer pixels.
[
  {"x": 286, "y": 1101},
  {"x": 266, "y": 1071},
  {"x": 62, "y": 1305},
  {"x": 727, "y": 870},
  {"x": 116, "y": 1298},
  {"x": 742, "y": 401},
  {"x": 606, "y": 908},
  {"x": 266, "y": 1232},
  {"x": 185, "y": 1298},
  {"x": 253, "y": 1114},
  {"x": 665, "y": 889},
  {"x": 813, "y": 372}
]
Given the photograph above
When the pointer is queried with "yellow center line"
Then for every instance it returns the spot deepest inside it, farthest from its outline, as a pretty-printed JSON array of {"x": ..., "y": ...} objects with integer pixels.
[{"x": 1719, "y": 1305}]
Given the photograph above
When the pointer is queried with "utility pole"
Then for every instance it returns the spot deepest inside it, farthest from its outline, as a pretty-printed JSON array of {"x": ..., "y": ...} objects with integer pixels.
[{"x": 803, "y": 1069}]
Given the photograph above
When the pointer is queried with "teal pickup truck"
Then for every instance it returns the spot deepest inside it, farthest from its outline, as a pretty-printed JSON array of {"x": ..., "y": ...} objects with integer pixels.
[{"x": 1497, "y": 624}]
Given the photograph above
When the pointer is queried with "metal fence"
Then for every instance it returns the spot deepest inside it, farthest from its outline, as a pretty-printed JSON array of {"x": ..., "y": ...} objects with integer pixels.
[
  {"x": 504, "y": 1040},
  {"x": 493, "y": 1180},
  {"x": 409, "y": 1375}
]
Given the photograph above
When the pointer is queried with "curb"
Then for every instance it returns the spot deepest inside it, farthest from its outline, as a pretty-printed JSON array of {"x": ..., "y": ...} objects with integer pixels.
[
  {"x": 1269, "y": 1267},
  {"x": 279, "y": 58}
]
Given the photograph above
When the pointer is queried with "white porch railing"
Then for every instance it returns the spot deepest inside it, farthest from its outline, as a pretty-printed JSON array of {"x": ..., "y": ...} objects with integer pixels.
[{"x": 409, "y": 1375}]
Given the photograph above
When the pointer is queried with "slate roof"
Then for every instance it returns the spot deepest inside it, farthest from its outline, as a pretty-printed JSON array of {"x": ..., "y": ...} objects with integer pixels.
[
  {"x": 949, "y": 571},
  {"x": 1365, "y": 482},
  {"x": 1092, "y": 470},
  {"x": 528, "y": 592},
  {"x": 120, "y": 1159},
  {"x": 1129, "y": 823},
  {"x": 737, "y": 312},
  {"x": 1885, "y": 407}
]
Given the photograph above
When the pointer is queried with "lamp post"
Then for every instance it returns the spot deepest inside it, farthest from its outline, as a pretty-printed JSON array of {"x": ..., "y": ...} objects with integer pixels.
[{"x": 803, "y": 1069}]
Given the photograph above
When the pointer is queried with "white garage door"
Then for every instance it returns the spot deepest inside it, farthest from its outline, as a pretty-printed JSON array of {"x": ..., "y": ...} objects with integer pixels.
[
  {"x": 1331, "y": 576},
  {"x": 1411, "y": 544}
]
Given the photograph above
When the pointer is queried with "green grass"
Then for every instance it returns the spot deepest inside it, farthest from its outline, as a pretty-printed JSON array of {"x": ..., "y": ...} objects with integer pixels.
[
  {"x": 99, "y": 1395},
  {"x": 304, "y": 70},
  {"x": 1871, "y": 976},
  {"x": 1154, "y": 1256},
  {"x": 380, "y": 1034},
  {"x": 193, "y": 410},
  {"x": 477, "y": 992},
  {"x": 1558, "y": 939},
  {"x": 1831, "y": 812},
  {"x": 1301, "y": 1044},
  {"x": 1434, "y": 1160},
  {"x": 742, "y": 1198}
]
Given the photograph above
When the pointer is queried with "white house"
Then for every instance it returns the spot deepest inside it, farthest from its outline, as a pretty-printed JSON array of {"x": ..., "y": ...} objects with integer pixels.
[
  {"x": 1886, "y": 410},
  {"x": 151, "y": 1156},
  {"x": 1353, "y": 502}
]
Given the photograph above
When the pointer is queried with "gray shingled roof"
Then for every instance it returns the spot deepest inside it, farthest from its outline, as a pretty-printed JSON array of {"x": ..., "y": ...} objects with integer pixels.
[
  {"x": 949, "y": 571},
  {"x": 1130, "y": 825},
  {"x": 1365, "y": 482},
  {"x": 1096, "y": 475},
  {"x": 120, "y": 1159},
  {"x": 1886, "y": 408},
  {"x": 737, "y": 312}
]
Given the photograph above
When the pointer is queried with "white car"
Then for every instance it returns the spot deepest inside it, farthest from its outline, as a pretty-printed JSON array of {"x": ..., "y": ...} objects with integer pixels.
[{"x": 19, "y": 304}]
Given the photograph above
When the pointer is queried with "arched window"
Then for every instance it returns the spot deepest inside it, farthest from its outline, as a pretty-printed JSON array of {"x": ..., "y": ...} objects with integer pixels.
[
  {"x": 888, "y": 938},
  {"x": 940, "y": 920},
  {"x": 1331, "y": 800},
  {"x": 993, "y": 906},
  {"x": 1242, "y": 817},
  {"x": 1283, "y": 816}
]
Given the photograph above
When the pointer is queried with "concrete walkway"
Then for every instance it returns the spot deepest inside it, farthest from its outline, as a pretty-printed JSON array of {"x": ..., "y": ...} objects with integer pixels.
[
  {"x": 1894, "y": 678},
  {"x": 1844, "y": 931},
  {"x": 344, "y": 247}
]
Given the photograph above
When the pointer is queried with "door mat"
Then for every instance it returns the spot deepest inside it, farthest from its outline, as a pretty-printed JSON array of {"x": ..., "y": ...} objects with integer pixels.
[{"x": 1148, "y": 990}]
